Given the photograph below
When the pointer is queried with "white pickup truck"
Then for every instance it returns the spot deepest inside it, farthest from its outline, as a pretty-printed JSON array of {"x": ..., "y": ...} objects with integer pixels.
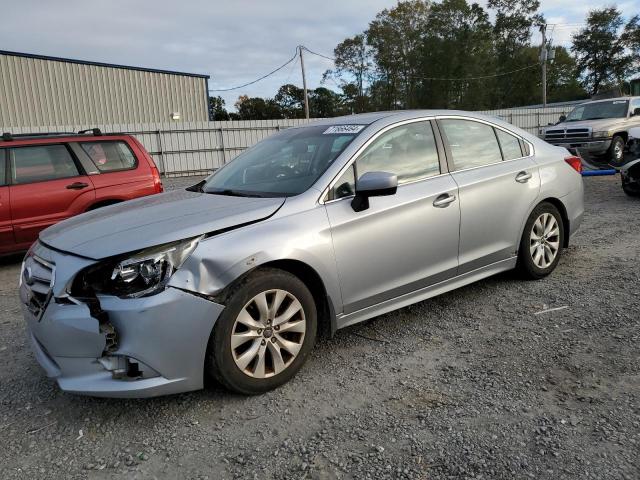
[{"x": 600, "y": 128}]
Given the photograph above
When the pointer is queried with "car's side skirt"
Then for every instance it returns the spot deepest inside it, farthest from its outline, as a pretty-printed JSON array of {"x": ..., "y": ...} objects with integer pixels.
[{"x": 425, "y": 293}]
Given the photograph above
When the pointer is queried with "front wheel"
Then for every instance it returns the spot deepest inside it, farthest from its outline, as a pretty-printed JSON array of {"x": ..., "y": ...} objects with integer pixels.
[
  {"x": 264, "y": 334},
  {"x": 615, "y": 155},
  {"x": 541, "y": 243}
]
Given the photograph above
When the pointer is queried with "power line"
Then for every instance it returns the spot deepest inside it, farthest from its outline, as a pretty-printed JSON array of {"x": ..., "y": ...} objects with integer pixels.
[
  {"x": 482, "y": 77},
  {"x": 295, "y": 56},
  {"x": 258, "y": 79},
  {"x": 442, "y": 79},
  {"x": 567, "y": 24},
  {"x": 319, "y": 54},
  {"x": 293, "y": 66}
]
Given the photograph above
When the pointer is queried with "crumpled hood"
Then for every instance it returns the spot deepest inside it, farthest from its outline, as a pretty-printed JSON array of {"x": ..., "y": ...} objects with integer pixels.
[{"x": 154, "y": 220}]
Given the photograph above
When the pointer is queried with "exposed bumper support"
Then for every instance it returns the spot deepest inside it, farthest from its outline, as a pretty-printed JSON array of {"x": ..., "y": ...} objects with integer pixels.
[{"x": 165, "y": 335}]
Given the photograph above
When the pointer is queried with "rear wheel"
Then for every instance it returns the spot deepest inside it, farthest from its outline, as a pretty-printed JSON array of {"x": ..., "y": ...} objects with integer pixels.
[
  {"x": 264, "y": 334},
  {"x": 541, "y": 243}
]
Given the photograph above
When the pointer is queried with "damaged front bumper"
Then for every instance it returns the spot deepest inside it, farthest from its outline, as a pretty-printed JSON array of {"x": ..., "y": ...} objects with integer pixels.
[{"x": 115, "y": 347}]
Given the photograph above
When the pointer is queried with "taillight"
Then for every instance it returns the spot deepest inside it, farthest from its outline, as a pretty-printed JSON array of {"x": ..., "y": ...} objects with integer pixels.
[
  {"x": 575, "y": 163},
  {"x": 157, "y": 182}
]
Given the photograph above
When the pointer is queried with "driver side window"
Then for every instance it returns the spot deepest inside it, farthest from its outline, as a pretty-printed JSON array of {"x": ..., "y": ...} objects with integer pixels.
[{"x": 409, "y": 151}]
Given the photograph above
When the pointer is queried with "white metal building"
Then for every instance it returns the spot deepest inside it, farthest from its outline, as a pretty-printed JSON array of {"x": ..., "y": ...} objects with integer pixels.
[{"x": 37, "y": 90}]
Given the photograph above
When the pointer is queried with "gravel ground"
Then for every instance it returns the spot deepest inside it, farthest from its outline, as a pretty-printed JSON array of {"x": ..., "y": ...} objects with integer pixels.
[{"x": 471, "y": 384}]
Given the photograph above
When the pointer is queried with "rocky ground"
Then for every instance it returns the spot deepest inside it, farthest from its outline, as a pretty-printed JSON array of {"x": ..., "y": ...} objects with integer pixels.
[{"x": 472, "y": 384}]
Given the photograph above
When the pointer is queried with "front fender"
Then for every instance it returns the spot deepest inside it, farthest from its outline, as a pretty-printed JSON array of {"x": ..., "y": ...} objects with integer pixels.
[{"x": 220, "y": 260}]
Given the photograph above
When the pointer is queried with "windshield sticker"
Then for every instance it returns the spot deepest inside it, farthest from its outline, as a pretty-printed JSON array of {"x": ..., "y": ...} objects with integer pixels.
[
  {"x": 619, "y": 101},
  {"x": 343, "y": 129}
]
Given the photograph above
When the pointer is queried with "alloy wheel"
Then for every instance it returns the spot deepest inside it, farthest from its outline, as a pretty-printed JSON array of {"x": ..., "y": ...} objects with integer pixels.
[
  {"x": 618, "y": 151},
  {"x": 268, "y": 333},
  {"x": 544, "y": 240}
]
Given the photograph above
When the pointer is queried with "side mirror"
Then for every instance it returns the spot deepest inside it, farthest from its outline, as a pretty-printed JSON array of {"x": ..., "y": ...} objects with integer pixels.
[
  {"x": 636, "y": 112},
  {"x": 562, "y": 118},
  {"x": 373, "y": 184}
]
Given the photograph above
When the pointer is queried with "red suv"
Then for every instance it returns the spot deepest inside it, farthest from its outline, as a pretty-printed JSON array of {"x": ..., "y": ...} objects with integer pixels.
[{"x": 45, "y": 178}]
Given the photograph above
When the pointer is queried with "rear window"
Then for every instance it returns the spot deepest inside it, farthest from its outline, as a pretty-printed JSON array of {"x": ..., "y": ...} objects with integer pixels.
[
  {"x": 110, "y": 156},
  {"x": 40, "y": 163},
  {"x": 510, "y": 145},
  {"x": 473, "y": 144}
]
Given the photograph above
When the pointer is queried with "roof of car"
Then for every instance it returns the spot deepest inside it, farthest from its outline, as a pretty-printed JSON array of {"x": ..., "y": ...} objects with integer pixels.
[
  {"x": 395, "y": 115},
  {"x": 611, "y": 99}
]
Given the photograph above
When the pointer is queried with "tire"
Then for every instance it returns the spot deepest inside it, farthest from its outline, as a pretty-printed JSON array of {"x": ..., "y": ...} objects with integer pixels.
[
  {"x": 530, "y": 264},
  {"x": 615, "y": 154},
  {"x": 253, "y": 365},
  {"x": 631, "y": 192}
]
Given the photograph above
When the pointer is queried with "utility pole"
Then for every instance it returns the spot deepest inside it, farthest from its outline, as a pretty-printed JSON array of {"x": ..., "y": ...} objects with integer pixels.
[
  {"x": 304, "y": 84},
  {"x": 543, "y": 59}
]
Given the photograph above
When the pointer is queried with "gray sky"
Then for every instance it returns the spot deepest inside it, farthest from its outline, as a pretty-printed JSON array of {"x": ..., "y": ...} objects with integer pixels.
[{"x": 234, "y": 42}]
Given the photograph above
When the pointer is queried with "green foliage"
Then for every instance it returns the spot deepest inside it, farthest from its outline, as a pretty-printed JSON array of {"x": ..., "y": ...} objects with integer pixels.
[
  {"x": 607, "y": 52},
  {"x": 217, "y": 110},
  {"x": 255, "y": 108},
  {"x": 352, "y": 59}
]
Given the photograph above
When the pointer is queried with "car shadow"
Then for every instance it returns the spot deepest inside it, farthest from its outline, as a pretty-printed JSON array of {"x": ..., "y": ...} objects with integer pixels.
[{"x": 11, "y": 259}]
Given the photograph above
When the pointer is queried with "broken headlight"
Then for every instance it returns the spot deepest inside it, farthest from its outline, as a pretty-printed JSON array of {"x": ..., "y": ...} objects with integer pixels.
[{"x": 141, "y": 274}]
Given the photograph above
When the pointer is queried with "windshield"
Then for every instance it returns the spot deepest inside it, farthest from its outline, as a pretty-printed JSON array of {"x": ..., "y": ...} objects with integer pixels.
[
  {"x": 595, "y": 111},
  {"x": 285, "y": 164}
]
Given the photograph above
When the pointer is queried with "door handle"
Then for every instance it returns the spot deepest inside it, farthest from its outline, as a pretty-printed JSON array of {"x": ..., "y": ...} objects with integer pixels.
[
  {"x": 523, "y": 177},
  {"x": 77, "y": 186},
  {"x": 444, "y": 200}
]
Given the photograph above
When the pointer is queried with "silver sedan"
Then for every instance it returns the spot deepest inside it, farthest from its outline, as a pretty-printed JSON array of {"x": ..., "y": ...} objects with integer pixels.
[{"x": 324, "y": 225}]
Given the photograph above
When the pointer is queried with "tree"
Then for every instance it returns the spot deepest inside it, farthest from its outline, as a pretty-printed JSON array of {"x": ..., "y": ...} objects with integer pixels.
[
  {"x": 324, "y": 103},
  {"x": 290, "y": 101},
  {"x": 256, "y": 108},
  {"x": 514, "y": 20},
  {"x": 562, "y": 83},
  {"x": 353, "y": 59},
  {"x": 395, "y": 37},
  {"x": 216, "y": 109},
  {"x": 458, "y": 44},
  {"x": 606, "y": 52}
]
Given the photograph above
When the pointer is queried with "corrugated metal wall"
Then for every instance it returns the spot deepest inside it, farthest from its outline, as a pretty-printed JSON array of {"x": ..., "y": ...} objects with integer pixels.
[
  {"x": 197, "y": 148},
  {"x": 34, "y": 91}
]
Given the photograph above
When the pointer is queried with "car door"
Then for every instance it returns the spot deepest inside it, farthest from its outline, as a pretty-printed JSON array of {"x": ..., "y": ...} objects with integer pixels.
[
  {"x": 6, "y": 229},
  {"x": 498, "y": 183},
  {"x": 47, "y": 185},
  {"x": 117, "y": 170},
  {"x": 402, "y": 242}
]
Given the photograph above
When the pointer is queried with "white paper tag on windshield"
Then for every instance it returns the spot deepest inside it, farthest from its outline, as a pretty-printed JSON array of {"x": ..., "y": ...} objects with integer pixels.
[
  {"x": 343, "y": 129},
  {"x": 619, "y": 101}
]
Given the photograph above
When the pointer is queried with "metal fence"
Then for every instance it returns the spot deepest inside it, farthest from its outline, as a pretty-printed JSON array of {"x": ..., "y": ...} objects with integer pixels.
[{"x": 197, "y": 148}]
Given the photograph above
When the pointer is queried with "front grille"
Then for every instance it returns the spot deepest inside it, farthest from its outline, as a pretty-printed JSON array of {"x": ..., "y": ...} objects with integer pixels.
[
  {"x": 38, "y": 277},
  {"x": 567, "y": 134}
]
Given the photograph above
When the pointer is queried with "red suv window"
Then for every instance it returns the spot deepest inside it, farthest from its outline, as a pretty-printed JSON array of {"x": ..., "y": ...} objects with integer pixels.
[
  {"x": 39, "y": 163},
  {"x": 3, "y": 168},
  {"x": 110, "y": 156}
]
